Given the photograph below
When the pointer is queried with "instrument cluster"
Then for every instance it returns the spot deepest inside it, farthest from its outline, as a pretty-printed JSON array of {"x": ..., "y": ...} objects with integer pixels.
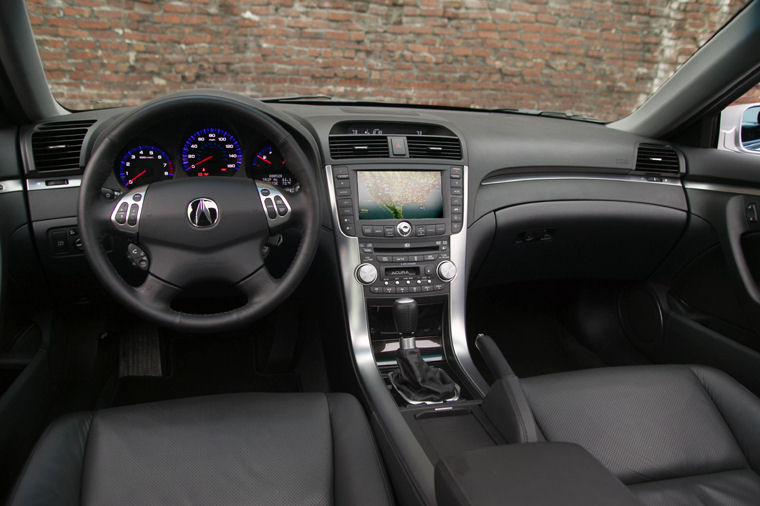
[{"x": 208, "y": 151}]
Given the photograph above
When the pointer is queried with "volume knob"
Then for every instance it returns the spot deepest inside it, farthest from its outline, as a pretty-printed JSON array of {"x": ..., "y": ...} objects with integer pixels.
[
  {"x": 366, "y": 274},
  {"x": 447, "y": 270}
]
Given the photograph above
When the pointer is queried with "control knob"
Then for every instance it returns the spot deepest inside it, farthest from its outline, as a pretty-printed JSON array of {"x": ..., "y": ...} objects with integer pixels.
[
  {"x": 366, "y": 274},
  {"x": 447, "y": 270}
]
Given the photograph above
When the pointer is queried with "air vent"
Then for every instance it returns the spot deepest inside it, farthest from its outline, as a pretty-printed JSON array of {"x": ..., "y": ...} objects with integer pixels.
[
  {"x": 434, "y": 147},
  {"x": 56, "y": 146},
  {"x": 657, "y": 158},
  {"x": 359, "y": 146}
]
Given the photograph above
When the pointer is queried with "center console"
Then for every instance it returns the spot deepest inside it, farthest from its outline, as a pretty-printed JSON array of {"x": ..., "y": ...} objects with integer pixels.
[{"x": 400, "y": 232}]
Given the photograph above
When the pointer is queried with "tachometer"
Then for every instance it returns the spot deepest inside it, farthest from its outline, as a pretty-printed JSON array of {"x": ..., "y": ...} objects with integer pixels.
[
  {"x": 144, "y": 165},
  {"x": 211, "y": 152},
  {"x": 269, "y": 166}
]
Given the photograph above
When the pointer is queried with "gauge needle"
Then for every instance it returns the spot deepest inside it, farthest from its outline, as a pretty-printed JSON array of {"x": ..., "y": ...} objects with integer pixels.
[
  {"x": 204, "y": 160},
  {"x": 262, "y": 158},
  {"x": 135, "y": 178}
]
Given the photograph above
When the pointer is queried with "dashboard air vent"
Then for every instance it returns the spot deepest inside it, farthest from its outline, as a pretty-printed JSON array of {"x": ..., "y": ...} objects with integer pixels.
[
  {"x": 57, "y": 145},
  {"x": 657, "y": 158},
  {"x": 434, "y": 147},
  {"x": 359, "y": 146}
]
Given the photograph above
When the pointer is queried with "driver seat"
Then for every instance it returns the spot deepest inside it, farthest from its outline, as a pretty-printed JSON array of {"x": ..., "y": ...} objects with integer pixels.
[{"x": 249, "y": 448}]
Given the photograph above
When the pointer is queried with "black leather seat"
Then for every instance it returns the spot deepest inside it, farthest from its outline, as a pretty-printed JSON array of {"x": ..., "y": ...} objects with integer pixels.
[
  {"x": 230, "y": 449},
  {"x": 673, "y": 434}
]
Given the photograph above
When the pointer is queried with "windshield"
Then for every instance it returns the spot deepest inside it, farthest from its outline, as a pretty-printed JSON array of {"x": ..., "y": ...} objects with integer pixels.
[{"x": 599, "y": 58}]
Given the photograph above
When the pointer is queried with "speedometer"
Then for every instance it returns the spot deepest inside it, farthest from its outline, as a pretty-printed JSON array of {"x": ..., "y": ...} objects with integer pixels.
[{"x": 211, "y": 152}]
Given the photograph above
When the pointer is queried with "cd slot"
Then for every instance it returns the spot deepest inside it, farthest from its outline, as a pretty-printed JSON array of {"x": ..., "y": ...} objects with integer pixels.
[{"x": 405, "y": 251}]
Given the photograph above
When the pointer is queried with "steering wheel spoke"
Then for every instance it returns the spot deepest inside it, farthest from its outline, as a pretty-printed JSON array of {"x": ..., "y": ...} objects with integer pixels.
[
  {"x": 126, "y": 213},
  {"x": 278, "y": 207},
  {"x": 158, "y": 292},
  {"x": 259, "y": 286}
]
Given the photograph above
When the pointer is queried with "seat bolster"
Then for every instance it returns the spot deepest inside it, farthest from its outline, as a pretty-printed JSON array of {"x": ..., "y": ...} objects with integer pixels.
[
  {"x": 739, "y": 407},
  {"x": 737, "y": 488},
  {"x": 357, "y": 469},
  {"x": 56, "y": 462}
]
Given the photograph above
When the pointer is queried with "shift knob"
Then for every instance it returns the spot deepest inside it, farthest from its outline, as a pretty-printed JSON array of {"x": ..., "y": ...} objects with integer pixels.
[{"x": 405, "y": 316}]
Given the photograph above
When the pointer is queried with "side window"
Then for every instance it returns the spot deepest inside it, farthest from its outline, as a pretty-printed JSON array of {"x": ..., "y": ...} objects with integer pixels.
[{"x": 740, "y": 124}]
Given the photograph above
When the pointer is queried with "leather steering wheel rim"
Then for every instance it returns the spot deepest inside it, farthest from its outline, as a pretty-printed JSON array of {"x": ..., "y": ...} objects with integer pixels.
[{"x": 94, "y": 210}]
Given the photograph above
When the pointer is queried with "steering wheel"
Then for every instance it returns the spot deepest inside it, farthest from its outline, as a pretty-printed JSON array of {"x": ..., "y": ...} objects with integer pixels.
[{"x": 189, "y": 231}]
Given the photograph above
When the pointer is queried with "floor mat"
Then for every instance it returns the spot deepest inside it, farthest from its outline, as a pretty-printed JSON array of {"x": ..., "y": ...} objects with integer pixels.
[
  {"x": 205, "y": 365},
  {"x": 524, "y": 322}
]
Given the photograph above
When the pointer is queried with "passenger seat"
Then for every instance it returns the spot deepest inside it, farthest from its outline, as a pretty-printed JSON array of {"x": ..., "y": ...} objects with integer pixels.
[{"x": 674, "y": 434}]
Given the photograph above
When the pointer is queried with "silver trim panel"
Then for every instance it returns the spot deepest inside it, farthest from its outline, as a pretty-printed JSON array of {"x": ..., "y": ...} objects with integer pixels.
[
  {"x": 517, "y": 178},
  {"x": 722, "y": 188},
  {"x": 42, "y": 183},
  {"x": 458, "y": 299},
  {"x": 11, "y": 185}
]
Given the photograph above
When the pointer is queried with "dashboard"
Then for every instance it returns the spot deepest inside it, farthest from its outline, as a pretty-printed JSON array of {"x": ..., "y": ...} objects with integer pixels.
[{"x": 202, "y": 147}]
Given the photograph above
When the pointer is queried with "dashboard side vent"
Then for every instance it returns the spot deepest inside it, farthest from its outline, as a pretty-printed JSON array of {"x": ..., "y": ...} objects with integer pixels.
[
  {"x": 359, "y": 146},
  {"x": 434, "y": 147},
  {"x": 57, "y": 145},
  {"x": 657, "y": 158}
]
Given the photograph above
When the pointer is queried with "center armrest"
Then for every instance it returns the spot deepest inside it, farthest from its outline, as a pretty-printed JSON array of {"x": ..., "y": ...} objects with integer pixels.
[{"x": 532, "y": 473}]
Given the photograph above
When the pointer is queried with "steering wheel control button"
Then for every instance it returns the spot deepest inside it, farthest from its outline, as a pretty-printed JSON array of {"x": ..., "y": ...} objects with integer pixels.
[
  {"x": 282, "y": 209},
  {"x": 136, "y": 197},
  {"x": 404, "y": 229},
  {"x": 366, "y": 274},
  {"x": 265, "y": 192},
  {"x": 271, "y": 212},
  {"x": 203, "y": 213},
  {"x": 134, "y": 210},
  {"x": 121, "y": 213},
  {"x": 137, "y": 257},
  {"x": 446, "y": 270}
]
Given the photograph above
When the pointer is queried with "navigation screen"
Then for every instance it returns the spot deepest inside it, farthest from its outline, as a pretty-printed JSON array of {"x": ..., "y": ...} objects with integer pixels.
[{"x": 399, "y": 194}]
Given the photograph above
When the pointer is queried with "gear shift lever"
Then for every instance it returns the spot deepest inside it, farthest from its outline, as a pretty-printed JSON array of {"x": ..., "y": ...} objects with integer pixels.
[
  {"x": 405, "y": 318},
  {"x": 416, "y": 381}
]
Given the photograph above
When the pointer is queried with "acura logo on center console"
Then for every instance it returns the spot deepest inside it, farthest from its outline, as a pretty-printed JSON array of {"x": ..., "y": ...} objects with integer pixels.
[
  {"x": 404, "y": 228},
  {"x": 203, "y": 212}
]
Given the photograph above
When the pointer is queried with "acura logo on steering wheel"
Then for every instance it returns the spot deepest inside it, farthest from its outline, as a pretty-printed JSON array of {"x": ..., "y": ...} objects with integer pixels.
[{"x": 203, "y": 212}]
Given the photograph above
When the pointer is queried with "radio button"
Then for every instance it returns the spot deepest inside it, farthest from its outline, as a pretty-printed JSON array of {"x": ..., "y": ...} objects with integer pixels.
[
  {"x": 400, "y": 259},
  {"x": 343, "y": 192},
  {"x": 419, "y": 230},
  {"x": 440, "y": 229},
  {"x": 388, "y": 231},
  {"x": 456, "y": 172},
  {"x": 430, "y": 229},
  {"x": 456, "y": 227},
  {"x": 377, "y": 230},
  {"x": 376, "y": 289},
  {"x": 428, "y": 258},
  {"x": 345, "y": 202},
  {"x": 456, "y": 218},
  {"x": 367, "y": 230},
  {"x": 456, "y": 201},
  {"x": 456, "y": 183},
  {"x": 456, "y": 191},
  {"x": 342, "y": 183}
]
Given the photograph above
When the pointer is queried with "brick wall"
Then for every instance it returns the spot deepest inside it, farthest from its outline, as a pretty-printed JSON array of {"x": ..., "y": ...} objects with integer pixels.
[{"x": 596, "y": 57}]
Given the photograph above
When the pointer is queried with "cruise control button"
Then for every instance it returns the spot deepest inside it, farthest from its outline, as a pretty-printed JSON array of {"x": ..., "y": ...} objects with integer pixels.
[
  {"x": 271, "y": 212},
  {"x": 132, "y": 218},
  {"x": 282, "y": 210}
]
